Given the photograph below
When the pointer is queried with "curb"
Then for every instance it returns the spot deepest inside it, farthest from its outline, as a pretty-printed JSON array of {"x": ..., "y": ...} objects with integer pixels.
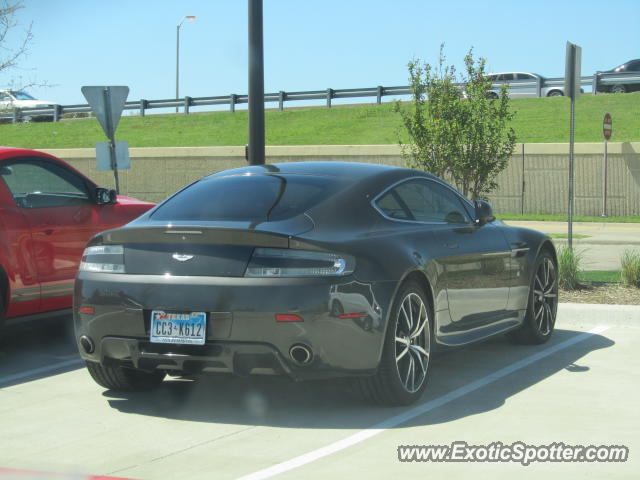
[
  {"x": 618, "y": 315},
  {"x": 596, "y": 242}
]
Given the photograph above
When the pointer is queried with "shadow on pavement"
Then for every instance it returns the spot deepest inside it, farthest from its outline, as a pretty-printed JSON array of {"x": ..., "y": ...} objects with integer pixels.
[
  {"x": 37, "y": 349},
  {"x": 279, "y": 402}
]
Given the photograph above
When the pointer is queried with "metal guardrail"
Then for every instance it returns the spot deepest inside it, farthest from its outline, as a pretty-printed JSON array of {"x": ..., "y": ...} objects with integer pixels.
[{"x": 329, "y": 94}]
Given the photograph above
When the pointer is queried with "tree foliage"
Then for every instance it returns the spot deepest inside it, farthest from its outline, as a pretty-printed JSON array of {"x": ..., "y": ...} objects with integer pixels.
[
  {"x": 457, "y": 133},
  {"x": 13, "y": 44}
]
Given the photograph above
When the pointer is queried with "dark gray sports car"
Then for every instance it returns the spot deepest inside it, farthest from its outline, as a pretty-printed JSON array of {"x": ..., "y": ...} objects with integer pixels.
[{"x": 311, "y": 270}]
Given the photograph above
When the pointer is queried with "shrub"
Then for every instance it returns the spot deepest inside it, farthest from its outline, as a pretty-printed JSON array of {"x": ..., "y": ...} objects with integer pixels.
[
  {"x": 569, "y": 267},
  {"x": 631, "y": 268}
]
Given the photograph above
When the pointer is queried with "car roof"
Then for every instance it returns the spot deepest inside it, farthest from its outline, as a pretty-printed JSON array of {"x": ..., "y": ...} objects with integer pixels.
[
  {"x": 11, "y": 152},
  {"x": 341, "y": 170},
  {"x": 502, "y": 73}
]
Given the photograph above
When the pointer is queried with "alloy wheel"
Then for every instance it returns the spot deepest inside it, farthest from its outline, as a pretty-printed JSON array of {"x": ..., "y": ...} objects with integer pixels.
[
  {"x": 412, "y": 342},
  {"x": 545, "y": 296}
]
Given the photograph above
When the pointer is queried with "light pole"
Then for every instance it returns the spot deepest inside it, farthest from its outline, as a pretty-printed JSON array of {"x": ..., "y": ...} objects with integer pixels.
[{"x": 191, "y": 18}]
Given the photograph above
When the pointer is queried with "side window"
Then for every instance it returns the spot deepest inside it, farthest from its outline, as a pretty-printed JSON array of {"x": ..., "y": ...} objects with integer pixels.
[
  {"x": 525, "y": 76},
  {"x": 40, "y": 184},
  {"x": 423, "y": 201},
  {"x": 634, "y": 66},
  {"x": 507, "y": 77}
]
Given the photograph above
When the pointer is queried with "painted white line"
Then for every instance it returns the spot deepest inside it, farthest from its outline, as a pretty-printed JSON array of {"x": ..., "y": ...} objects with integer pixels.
[
  {"x": 38, "y": 371},
  {"x": 416, "y": 411}
]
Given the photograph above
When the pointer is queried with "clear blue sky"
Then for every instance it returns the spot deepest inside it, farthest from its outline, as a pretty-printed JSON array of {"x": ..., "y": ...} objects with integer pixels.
[{"x": 309, "y": 44}]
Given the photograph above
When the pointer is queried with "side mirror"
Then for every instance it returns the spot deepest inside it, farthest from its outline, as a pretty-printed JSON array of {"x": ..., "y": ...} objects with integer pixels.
[
  {"x": 484, "y": 213},
  {"x": 104, "y": 196}
]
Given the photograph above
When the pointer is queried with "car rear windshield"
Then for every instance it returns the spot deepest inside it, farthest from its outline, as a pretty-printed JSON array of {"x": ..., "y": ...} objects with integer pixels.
[{"x": 254, "y": 198}]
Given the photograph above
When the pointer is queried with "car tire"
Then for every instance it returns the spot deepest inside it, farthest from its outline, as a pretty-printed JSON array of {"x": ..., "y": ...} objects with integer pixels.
[
  {"x": 542, "y": 306},
  {"x": 618, "y": 89},
  {"x": 492, "y": 96},
  {"x": 123, "y": 379},
  {"x": 403, "y": 370},
  {"x": 555, "y": 93}
]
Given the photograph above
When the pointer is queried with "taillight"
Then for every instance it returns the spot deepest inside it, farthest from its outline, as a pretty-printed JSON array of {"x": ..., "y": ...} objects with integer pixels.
[
  {"x": 103, "y": 259},
  {"x": 282, "y": 262}
]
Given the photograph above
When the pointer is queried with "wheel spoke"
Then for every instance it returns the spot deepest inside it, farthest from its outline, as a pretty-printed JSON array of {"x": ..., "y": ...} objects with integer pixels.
[
  {"x": 418, "y": 349},
  {"x": 402, "y": 354},
  {"x": 545, "y": 269},
  {"x": 406, "y": 317},
  {"x": 548, "y": 317},
  {"x": 409, "y": 370},
  {"x": 421, "y": 323},
  {"x": 539, "y": 312}
]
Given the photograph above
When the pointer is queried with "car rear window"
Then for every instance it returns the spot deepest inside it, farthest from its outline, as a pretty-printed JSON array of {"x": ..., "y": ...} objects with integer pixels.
[{"x": 254, "y": 198}]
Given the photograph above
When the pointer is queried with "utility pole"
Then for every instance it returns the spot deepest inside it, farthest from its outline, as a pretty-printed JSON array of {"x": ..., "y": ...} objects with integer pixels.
[{"x": 256, "y": 84}]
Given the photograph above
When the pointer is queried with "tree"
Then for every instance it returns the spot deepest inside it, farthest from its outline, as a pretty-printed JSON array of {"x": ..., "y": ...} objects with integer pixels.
[
  {"x": 11, "y": 56},
  {"x": 458, "y": 133}
]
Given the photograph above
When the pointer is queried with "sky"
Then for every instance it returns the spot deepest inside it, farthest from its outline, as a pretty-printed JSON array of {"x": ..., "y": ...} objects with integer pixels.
[{"x": 309, "y": 44}]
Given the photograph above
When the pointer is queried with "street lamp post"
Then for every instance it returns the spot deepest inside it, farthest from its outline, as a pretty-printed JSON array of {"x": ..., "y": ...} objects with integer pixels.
[{"x": 190, "y": 18}]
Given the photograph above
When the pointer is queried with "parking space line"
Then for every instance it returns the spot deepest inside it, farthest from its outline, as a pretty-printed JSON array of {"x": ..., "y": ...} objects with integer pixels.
[
  {"x": 416, "y": 411},
  {"x": 37, "y": 371}
]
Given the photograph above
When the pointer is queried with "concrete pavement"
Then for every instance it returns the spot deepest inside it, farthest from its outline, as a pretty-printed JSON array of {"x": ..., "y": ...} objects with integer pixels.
[
  {"x": 604, "y": 245},
  {"x": 578, "y": 389}
]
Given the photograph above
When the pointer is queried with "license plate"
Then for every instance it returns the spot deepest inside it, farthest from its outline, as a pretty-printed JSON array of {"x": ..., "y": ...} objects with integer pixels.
[{"x": 184, "y": 328}]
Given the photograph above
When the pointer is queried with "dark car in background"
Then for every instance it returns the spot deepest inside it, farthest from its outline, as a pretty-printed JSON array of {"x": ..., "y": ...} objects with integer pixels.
[
  {"x": 48, "y": 213},
  {"x": 620, "y": 82},
  {"x": 309, "y": 270}
]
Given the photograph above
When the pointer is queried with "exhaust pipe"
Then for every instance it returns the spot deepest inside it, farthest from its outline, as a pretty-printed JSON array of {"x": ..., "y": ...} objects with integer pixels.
[
  {"x": 87, "y": 344},
  {"x": 301, "y": 354}
]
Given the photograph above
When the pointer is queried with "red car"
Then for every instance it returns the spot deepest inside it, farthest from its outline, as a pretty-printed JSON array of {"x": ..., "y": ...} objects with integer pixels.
[{"x": 48, "y": 212}]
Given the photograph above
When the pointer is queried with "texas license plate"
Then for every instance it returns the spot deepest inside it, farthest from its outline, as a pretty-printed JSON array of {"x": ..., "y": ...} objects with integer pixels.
[{"x": 184, "y": 328}]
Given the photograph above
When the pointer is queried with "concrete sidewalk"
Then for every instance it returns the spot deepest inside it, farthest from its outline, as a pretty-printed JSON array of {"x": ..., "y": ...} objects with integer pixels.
[{"x": 604, "y": 246}]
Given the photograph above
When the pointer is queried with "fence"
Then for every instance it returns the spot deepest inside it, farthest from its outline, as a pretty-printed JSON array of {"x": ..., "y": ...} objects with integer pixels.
[
  {"x": 600, "y": 80},
  {"x": 535, "y": 180}
]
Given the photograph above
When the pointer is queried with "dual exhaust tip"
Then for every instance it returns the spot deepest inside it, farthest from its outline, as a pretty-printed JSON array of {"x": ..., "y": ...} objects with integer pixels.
[
  {"x": 300, "y": 354},
  {"x": 87, "y": 344}
]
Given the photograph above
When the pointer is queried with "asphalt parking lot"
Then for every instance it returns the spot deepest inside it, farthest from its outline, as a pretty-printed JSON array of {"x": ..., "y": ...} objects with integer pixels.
[{"x": 579, "y": 389}]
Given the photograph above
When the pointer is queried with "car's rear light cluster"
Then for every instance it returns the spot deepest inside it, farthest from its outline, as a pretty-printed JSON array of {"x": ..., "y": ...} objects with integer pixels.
[
  {"x": 103, "y": 259},
  {"x": 282, "y": 262},
  {"x": 264, "y": 263}
]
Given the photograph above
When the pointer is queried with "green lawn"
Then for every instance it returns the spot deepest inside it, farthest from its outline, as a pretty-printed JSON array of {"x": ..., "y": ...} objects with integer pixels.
[
  {"x": 610, "y": 276},
  {"x": 577, "y": 236},
  {"x": 563, "y": 218},
  {"x": 537, "y": 120}
]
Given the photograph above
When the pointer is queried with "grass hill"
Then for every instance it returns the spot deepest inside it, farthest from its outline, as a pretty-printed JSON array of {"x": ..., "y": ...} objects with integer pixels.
[{"x": 538, "y": 120}]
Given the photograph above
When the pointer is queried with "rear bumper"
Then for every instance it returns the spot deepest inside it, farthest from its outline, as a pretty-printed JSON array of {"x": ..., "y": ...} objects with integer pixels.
[{"x": 242, "y": 335}]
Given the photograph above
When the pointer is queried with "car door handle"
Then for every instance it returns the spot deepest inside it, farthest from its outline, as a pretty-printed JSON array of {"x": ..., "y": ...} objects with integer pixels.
[{"x": 451, "y": 245}]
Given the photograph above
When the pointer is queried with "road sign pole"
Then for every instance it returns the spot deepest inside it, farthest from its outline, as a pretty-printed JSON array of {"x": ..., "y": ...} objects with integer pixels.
[
  {"x": 572, "y": 88},
  {"x": 106, "y": 93},
  {"x": 607, "y": 130},
  {"x": 571, "y": 139},
  {"x": 604, "y": 180}
]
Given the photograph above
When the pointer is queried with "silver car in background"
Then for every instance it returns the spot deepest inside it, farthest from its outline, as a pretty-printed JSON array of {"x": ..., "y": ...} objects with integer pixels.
[{"x": 523, "y": 84}]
